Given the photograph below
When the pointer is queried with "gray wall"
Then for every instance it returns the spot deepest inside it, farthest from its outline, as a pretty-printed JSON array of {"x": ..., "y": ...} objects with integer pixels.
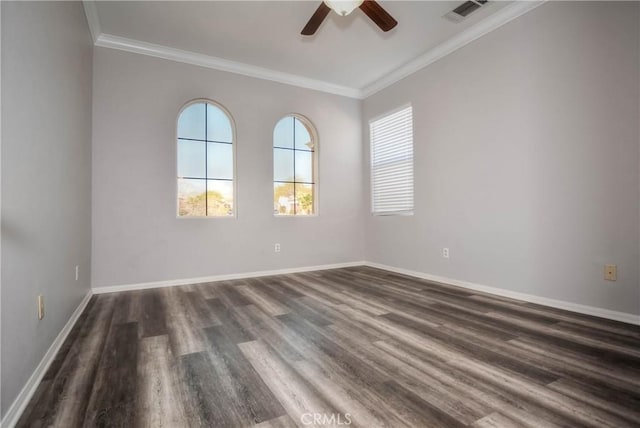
[
  {"x": 527, "y": 149},
  {"x": 136, "y": 235},
  {"x": 46, "y": 178}
]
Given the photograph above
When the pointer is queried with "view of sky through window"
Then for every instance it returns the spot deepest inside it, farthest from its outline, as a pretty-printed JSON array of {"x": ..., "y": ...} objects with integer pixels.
[{"x": 205, "y": 162}]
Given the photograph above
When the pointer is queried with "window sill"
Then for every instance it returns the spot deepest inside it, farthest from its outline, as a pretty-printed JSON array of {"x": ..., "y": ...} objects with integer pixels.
[
  {"x": 295, "y": 216},
  {"x": 393, "y": 213},
  {"x": 193, "y": 217}
]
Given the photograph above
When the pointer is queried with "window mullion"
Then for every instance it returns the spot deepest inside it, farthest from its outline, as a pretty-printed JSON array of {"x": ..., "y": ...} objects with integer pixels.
[
  {"x": 206, "y": 164},
  {"x": 295, "y": 201}
]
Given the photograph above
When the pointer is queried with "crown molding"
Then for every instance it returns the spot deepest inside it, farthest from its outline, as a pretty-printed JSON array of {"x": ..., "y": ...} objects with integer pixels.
[
  {"x": 492, "y": 22},
  {"x": 487, "y": 25},
  {"x": 91, "y": 11},
  {"x": 179, "y": 55}
]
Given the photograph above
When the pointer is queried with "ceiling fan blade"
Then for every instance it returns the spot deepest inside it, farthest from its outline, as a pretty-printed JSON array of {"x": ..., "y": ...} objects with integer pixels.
[
  {"x": 378, "y": 15},
  {"x": 314, "y": 23}
]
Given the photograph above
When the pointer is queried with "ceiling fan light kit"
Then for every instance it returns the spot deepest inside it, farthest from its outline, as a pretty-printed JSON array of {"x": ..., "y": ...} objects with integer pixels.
[
  {"x": 343, "y": 7},
  {"x": 371, "y": 8}
]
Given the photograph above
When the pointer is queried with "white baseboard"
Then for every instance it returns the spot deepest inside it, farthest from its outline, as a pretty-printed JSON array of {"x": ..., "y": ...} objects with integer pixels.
[
  {"x": 176, "y": 282},
  {"x": 560, "y": 304},
  {"x": 15, "y": 411}
]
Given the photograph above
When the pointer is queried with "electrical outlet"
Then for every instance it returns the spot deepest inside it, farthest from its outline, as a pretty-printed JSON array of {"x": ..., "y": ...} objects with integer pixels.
[
  {"x": 276, "y": 248},
  {"x": 610, "y": 272},
  {"x": 77, "y": 272},
  {"x": 40, "y": 306},
  {"x": 445, "y": 253}
]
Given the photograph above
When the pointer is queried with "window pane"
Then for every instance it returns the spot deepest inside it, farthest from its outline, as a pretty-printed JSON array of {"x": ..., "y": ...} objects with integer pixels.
[
  {"x": 282, "y": 165},
  {"x": 219, "y": 198},
  {"x": 191, "y": 122},
  {"x": 283, "y": 198},
  {"x": 191, "y": 196},
  {"x": 304, "y": 166},
  {"x": 283, "y": 133},
  {"x": 191, "y": 162},
  {"x": 303, "y": 138},
  {"x": 304, "y": 199},
  {"x": 218, "y": 125},
  {"x": 220, "y": 161}
]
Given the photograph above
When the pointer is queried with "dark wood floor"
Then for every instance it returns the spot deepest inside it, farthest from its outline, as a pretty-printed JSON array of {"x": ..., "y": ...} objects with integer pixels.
[{"x": 356, "y": 345}]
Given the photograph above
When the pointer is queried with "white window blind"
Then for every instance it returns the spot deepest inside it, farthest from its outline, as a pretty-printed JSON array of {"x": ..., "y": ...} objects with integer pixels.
[{"x": 392, "y": 163}]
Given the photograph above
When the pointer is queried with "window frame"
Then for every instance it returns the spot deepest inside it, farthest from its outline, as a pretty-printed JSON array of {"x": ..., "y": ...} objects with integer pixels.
[
  {"x": 413, "y": 170},
  {"x": 315, "y": 164},
  {"x": 233, "y": 151}
]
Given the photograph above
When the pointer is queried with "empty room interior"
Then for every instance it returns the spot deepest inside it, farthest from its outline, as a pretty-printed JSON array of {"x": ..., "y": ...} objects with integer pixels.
[{"x": 299, "y": 213}]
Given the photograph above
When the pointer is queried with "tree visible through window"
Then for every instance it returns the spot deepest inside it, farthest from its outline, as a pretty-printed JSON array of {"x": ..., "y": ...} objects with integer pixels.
[
  {"x": 205, "y": 161},
  {"x": 294, "y": 167}
]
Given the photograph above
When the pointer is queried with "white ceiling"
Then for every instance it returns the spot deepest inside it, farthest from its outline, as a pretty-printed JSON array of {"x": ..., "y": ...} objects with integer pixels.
[{"x": 348, "y": 51}]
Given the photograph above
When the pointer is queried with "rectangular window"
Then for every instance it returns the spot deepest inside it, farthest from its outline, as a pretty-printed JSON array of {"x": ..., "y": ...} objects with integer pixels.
[{"x": 392, "y": 163}]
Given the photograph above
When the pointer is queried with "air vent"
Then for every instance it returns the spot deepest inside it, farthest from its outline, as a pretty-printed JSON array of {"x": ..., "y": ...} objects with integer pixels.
[{"x": 465, "y": 9}]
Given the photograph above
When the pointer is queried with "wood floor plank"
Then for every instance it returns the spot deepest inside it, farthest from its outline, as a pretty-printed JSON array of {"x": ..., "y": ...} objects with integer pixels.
[
  {"x": 343, "y": 356},
  {"x": 313, "y": 285},
  {"x": 475, "y": 349},
  {"x": 604, "y": 336},
  {"x": 253, "y": 400},
  {"x": 330, "y": 368},
  {"x": 576, "y": 365},
  {"x": 569, "y": 407},
  {"x": 618, "y": 355},
  {"x": 281, "y": 422},
  {"x": 160, "y": 398},
  {"x": 127, "y": 307},
  {"x": 200, "y": 310},
  {"x": 152, "y": 317},
  {"x": 313, "y": 348},
  {"x": 549, "y": 366},
  {"x": 206, "y": 403},
  {"x": 231, "y": 296},
  {"x": 113, "y": 397},
  {"x": 471, "y": 387},
  {"x": 270, "y": 330},
  {"x": 440, "y": 391},
  {"x": 346, "y": 401},
  {"x": 208, "y": 290},
  {"x": 602, "y": 398},
  {"x": 229, "y": 319},
  {"x": 261, "y": 299},
  {"x": 184, "y": 337},
  {"x": 598, "y": 322},
  {"x": 495, "y": 420},
  {"x": 418, "y": 413},
  {"x": 295, "y": 394}
]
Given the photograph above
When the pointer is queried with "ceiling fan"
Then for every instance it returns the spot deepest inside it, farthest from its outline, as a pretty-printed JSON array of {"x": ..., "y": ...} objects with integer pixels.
[{"x": 370, "y": 8}]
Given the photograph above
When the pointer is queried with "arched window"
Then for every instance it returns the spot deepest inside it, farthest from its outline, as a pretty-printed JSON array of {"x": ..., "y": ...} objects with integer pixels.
[
  {"x": 295, "y": 179},
  {"x": 206, "y": 168}
]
